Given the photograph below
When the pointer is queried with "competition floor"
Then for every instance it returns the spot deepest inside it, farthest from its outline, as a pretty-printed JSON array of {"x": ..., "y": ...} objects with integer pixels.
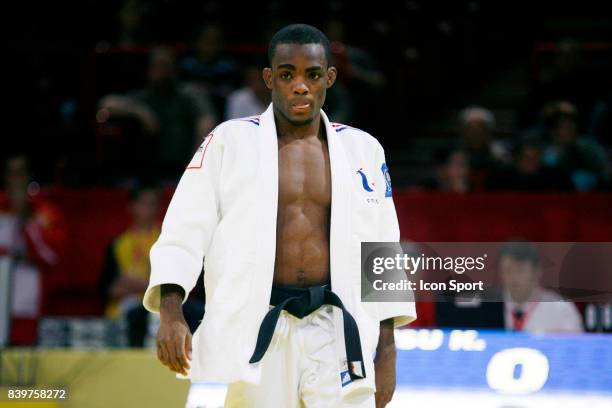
[{"x": 488, "y": 369}]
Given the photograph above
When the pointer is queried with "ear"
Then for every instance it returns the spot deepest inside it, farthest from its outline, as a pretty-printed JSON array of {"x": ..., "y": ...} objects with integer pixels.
[
  {"x": 266, "y": 74},
  {"x": 332, "y": 73}
]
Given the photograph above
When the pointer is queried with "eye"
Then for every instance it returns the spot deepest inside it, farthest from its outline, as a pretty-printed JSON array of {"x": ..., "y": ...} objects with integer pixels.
[
  {"x": 315, "y": 75},
  {"x": 285, "y": 75}
]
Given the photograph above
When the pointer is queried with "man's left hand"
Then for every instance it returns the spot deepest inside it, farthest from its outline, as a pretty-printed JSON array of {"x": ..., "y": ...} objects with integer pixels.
[{"x": 384, "y": 365}]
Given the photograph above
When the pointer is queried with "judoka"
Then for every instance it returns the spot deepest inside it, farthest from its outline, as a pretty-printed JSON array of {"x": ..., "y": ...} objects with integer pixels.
[{"x": 278, "y": 205}]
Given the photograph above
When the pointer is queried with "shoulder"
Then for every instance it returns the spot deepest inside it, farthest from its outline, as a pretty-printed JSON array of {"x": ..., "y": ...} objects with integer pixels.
[
  {"x": 547, "y": 295},
  {"x": 354, "y": 136},
  {"x": 552, "y": 299},
  {"x": 239, "y": 124},
  {"x": 235, "y": 129}
]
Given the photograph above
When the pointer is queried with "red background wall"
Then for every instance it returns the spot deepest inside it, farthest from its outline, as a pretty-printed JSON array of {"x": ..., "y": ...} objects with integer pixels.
[{"x": 95, "y": 216}]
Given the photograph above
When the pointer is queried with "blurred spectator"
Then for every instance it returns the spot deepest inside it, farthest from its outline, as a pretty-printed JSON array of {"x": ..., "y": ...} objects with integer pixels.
[
  {"x": 452, "y": 171},
  {"x": 528, "y": 173},
  {"x": 178, "y": 117},
  {"x": 485, "y": 156},
  {"x": 600, "y": 122},
  {"x": 569, "y": 77},
  {"x": 129, "y": 28},
  {"x": 210, "y": 68},
  {"x": 360, "y": 78},
  {"x": 252, "y": 99},
  {"x": 528, "y": 306},
  {"x": 358, "y": 64},
  {"x": 126, "y": 268},
  {"x": 339, "y": 104},
  {"x": 33, "y": 234},
  {"x": 583, "y": 159}
]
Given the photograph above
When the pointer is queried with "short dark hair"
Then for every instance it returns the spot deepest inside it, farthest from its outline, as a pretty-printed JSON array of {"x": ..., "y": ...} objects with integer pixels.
[
  {"x": 299, "y": 34},
  {"x": 520, "y": 250}
]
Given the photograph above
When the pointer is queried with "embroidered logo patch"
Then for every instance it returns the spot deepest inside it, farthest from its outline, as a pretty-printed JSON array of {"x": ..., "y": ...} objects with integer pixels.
[
  {"x": 364, "y": 181},
  {"x": 198, "y": 157},
  {"x": 345, "y": 378},
  {"x": 385, "y": 172}
]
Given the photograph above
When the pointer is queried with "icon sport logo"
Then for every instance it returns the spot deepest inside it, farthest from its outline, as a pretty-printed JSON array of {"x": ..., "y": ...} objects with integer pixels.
[{"x": 364, "y": 181}]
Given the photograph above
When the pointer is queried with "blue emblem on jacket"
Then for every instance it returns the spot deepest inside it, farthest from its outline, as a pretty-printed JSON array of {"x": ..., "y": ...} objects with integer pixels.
[
  {"x": 385, "y": 171},
  {"x": 364, "y": 181}
]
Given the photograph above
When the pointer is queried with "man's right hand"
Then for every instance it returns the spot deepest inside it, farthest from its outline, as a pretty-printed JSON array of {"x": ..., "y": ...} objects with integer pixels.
[{"x": 174, "y": 336}]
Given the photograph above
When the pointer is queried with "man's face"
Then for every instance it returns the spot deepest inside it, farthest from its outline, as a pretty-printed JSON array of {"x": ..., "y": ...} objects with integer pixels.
[
  {"x": 565, "y": 132},
  {"x": 456, "y": 168},
  {"x": 529, "y": 160},
  {"x": 520, "y": 278},
  {"x": 476, "y": 134},
  {"x": 145, "y": 209},
  {"x": 299, "y": 78},
  {"x": 161, "y": 68}
]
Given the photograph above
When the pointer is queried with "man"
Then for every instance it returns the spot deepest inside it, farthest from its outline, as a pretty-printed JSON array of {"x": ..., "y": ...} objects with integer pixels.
[
  {"x": 173, "y": 115},
  {"x": 452, "y": 173},
  {"x": 126, "y": 268},
  {"x": 33, "y": 235},
  {"x": 568, "y": 152},
  {"x": 485, "y": 156},
  {"x": 252, "y": 99},
  {"x": 528, "y": 306},
  {"x": 527, "y": 172},
  {"x": 279, "y": 205}
]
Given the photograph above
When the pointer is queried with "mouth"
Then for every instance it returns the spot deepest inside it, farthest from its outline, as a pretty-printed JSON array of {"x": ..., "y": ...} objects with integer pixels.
[{"x": 300, "y": 107}]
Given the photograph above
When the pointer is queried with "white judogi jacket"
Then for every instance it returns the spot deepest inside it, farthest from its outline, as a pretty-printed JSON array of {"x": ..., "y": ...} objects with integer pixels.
[{"x": 225, "y": 208}]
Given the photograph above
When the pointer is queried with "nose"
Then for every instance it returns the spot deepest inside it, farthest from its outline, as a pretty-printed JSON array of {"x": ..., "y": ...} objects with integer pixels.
[{"x": 300, "y": 88}]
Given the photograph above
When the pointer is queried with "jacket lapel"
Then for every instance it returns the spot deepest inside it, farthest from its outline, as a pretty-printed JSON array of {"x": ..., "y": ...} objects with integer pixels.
[
  {"x": 340, "y": 211},
  {"x": 266, "y": 202}
]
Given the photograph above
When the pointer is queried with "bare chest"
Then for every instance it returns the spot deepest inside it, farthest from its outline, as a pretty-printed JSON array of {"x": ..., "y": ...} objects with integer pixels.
[{"x": 304, "y": 172}]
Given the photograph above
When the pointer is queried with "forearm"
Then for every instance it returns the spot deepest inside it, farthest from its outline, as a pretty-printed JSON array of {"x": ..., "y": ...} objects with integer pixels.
[
  {"x": 384, "y": 364},
  {"x": 386, "y": 338}
]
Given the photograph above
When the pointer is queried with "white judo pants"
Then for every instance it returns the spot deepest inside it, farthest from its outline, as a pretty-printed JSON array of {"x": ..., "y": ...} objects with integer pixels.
[{"x": 299, "y": 369}]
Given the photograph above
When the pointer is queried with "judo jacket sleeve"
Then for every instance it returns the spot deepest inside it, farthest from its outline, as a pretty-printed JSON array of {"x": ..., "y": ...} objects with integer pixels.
[
  {"x": 403, "y": 310},
  {"x": 189, "y": 224}
]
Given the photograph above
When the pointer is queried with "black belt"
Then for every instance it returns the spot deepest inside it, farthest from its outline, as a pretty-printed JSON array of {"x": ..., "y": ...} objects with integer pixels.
[{"x": 300, "y": 302}]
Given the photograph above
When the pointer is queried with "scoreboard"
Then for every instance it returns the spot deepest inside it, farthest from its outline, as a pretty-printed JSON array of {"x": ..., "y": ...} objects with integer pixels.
[{"x": 497, "y": 368}]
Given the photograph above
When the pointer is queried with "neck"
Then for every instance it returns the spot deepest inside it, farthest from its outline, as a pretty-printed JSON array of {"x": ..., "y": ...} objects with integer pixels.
[{"x": 290, "y": 131}]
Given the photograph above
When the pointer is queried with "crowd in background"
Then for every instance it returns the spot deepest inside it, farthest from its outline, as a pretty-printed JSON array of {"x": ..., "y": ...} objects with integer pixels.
[
  {"x": 132, "y": 94},
  {"x": 147, "y": 102}
]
